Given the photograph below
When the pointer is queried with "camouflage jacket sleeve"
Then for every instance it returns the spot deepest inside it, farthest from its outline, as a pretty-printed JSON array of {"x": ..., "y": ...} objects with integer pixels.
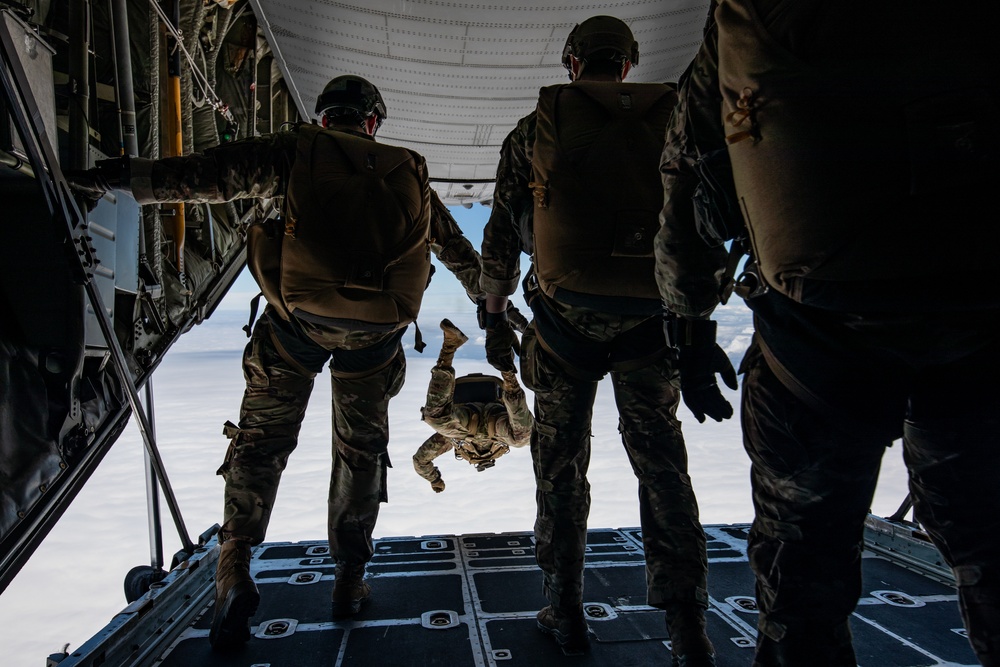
[
  {"x": 514, "y": 426},
  {"x": 453, "y": 250},
  {"x": 253, "y": 168},
  {"x": 508, "y": 230},
  {"x": 433, "y": 447},
  {"x": 688, "y": 271}
]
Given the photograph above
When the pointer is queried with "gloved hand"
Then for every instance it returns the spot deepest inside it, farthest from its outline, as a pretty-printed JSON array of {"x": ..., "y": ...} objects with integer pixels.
[
  {"x": 516, "y": 319},
  {"x": 501, "y": 342},
  {"x": 438, "y": 485},
  {"x": 92, "y": 184},
  {"x": 699, "y": 360}
]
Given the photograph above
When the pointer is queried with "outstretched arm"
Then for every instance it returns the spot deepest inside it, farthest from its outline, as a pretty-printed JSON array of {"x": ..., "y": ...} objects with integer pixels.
[
  {"x": 453, "y": 250},
  {"x": 433, "y": 447},
  {"x": 253, "y": 168}
]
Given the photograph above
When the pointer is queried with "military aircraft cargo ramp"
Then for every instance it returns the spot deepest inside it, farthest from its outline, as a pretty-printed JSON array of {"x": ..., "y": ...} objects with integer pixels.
[{"x": 471, "y": 600}]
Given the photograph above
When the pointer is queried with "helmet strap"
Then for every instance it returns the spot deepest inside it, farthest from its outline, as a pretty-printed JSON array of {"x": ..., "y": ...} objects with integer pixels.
[
  {"x": 368, "y": 124},
  {"x": 576, "y": 66}
]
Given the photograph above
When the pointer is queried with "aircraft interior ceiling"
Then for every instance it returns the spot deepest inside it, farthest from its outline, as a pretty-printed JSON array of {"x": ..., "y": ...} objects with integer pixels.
[{"x": 456, "y": 76}]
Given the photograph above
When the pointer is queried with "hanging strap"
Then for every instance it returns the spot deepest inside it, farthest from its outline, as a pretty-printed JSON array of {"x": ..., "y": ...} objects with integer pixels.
[
  {"x": 727, "y": 284},
  {"x": 418, "y": 339},
  {"x": 254, "y": 305}
]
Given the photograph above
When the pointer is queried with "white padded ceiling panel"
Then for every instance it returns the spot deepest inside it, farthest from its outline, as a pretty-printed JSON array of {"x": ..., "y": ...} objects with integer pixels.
[{"x": 456, "y": 76}]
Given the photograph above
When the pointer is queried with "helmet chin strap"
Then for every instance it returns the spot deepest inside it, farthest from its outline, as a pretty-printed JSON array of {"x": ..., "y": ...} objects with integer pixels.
[
  {"x": 576, "y": 68},
  {"x": 369, "y": 124}
]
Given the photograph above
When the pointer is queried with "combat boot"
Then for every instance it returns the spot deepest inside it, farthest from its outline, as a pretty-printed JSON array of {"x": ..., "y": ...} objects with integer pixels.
[
  {"x": 236, "y": 597},
  {"x": 567, "y": 627},
  {"x": 349, "y": 591},
  {"x": 689, "y": 642},
  {"x": 453, "y": 339}
]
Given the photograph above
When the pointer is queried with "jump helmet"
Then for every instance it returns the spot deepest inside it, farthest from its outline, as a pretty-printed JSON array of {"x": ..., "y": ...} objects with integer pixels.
[
  {"x": 351, "y": 95},
  {"x": 606, "y": 37}
]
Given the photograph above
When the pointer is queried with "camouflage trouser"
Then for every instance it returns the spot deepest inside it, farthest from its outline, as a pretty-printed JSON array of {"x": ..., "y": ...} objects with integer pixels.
[
  {"x": 676, "y": 563},
  {"x": 279, "y": 365},
  {"x": 439, "y": 404},
  {"x": 816, "y": 461}
]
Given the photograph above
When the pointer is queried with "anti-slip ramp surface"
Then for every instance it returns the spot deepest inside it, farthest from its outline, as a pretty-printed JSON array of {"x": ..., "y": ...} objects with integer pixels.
[{"x": 472, "y": 599}]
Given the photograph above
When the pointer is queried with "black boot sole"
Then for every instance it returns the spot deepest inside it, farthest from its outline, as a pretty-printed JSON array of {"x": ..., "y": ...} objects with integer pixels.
[
  {"x": 701, "y": 661},
  {"x": 344, "y": 610},
  {"x": 571, "y": 646},
  {"x": 231, "y": 624}
]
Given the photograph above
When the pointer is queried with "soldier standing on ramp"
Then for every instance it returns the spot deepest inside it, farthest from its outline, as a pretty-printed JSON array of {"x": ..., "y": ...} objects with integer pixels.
[
  {"x": 343, "y": 273},
  {"x": 577, "y": 189},
  {"x": 864, "y": 149}
]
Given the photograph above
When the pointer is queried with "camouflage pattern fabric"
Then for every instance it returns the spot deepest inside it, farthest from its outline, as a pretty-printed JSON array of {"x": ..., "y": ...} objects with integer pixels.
[
  {"x": 478, "y": 432},
  {"x": 278, "y": 388},
  {"x": 433, "y": 447},
  {"x": 259, "y": 168},
  {"x": 508, "y": 231},
  {"x": 816, "y": 439},
  {"x": 453, "y": 250},
  {"x": 688, "y": 271},
  {"x": 816, "y": 434},
  {"x": 647, "y": 399},
  {"x": 274, "y": 404},
  {"x": 282, "y": 358},
  {"x": 253, "y": 168},
  {"x": 676, "y": 561},
  {"x": 360, "y": 440}
]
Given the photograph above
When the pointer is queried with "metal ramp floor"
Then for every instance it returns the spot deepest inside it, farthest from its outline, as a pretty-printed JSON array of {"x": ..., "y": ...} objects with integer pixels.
[{"x": 471, "y": 600}]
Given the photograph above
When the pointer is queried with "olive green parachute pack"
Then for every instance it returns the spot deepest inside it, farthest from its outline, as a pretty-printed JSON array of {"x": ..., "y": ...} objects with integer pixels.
[
  {"x": 354, "y": 251},
  {"x": 478, "y": 388},
  {"x": 597, "y": 189},
  {"x": 862, "y": 139}
]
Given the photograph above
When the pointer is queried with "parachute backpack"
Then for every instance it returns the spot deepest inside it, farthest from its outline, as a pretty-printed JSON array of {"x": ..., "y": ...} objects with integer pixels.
[
  {"x": 869, "y": 154},
  {"x": 478, "y": 388},
  {"x": 355, "y": 250},
  {"x": 597, "y": 188}
]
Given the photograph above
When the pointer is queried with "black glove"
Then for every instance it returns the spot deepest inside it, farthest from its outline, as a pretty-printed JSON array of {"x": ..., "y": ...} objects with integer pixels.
[
  {"x": 501, "y": 342},
  {"x": 516, "y": 319},
  {"x": 92, "y": 184},
  {"x": 699, "y": 358}
]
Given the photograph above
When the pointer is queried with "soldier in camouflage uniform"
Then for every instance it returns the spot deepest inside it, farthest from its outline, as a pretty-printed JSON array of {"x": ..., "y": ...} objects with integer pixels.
[
  {"x": 479, "y": 432},
  {"x": 570, "y": 345},
  {"x": 283, "y": 357},
  {"x": 892, "y": 336}
]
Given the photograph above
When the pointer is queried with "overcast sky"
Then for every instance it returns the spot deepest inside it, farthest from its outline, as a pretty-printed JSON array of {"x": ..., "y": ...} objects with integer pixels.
[{"x": 72, "y": 586}]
